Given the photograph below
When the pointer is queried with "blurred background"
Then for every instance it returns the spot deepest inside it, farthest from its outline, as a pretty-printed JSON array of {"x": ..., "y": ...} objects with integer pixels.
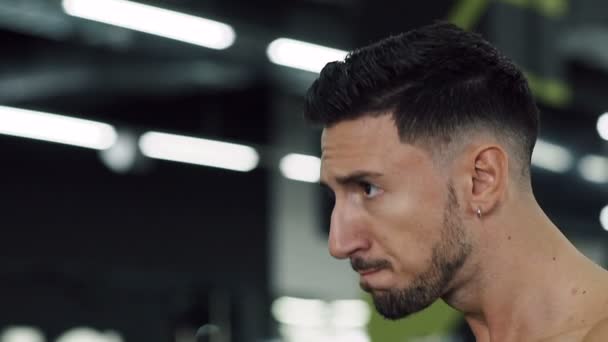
[{"x": 158, "y": 180}]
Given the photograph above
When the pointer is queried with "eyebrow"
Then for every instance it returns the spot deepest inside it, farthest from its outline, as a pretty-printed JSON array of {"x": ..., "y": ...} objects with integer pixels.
[{"x": 354, "y": 177}]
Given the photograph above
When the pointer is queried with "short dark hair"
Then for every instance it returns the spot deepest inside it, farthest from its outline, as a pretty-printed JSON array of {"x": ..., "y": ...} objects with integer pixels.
[{"x": 437, "y": 81}]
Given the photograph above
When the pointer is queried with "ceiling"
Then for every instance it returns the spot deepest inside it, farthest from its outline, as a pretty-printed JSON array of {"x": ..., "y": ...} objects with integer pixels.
[{"x": 58, "y": 63}]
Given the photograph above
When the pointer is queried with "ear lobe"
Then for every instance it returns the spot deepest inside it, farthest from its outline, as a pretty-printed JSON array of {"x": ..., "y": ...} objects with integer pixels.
[{"x": 489, "y": 178}]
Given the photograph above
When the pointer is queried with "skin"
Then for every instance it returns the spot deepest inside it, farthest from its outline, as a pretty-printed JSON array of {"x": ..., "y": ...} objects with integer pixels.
[{"x": 409, "y": 226}]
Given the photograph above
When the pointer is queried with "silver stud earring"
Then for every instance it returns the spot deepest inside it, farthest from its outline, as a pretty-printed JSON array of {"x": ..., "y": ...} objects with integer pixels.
[{"x": 479, "y": 212}]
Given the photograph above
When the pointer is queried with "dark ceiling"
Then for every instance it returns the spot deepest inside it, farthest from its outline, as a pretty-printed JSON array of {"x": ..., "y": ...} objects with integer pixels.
[
  {"x": 62, "y": 64},
  {"x": 58, "y": 63}
]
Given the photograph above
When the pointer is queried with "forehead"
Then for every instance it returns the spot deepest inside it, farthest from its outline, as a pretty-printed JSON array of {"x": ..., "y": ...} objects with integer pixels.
[
  {"x": 369, "y": 143},
  {"x": 367, "y": 131}
]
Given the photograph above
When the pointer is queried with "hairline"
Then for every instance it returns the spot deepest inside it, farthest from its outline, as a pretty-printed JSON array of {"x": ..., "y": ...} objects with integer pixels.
[{"x": 443, "y": 153}]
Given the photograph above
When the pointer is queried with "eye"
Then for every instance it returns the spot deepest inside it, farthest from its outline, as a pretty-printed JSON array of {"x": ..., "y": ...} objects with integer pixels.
[{"x": 370, "y": 190}]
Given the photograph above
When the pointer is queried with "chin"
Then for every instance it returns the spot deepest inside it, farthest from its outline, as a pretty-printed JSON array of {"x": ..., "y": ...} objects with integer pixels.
[{"x": 397, "y": 303}]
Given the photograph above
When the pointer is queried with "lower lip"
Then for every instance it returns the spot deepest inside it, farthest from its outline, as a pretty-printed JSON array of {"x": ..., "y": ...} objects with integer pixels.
[{"x": 369, "y": 273}]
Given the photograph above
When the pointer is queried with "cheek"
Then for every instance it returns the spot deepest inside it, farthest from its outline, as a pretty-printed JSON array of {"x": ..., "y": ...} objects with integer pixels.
[{"x": 410, "y": 223}]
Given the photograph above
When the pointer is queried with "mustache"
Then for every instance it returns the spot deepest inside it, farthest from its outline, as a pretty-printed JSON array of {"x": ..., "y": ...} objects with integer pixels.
[{"x": 359, "y": 264}]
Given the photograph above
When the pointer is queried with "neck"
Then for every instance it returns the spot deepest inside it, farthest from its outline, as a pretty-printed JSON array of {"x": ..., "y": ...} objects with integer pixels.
[{"x": 525, "y": 281}]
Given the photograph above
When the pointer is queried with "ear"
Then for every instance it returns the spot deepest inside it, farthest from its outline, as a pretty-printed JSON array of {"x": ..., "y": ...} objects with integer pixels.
[{"x": 489, "y": 175}]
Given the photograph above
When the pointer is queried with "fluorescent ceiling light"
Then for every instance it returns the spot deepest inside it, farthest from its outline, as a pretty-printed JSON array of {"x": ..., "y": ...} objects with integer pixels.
[
  {"x": 594, "y": 168},
  {"x": 154, "y": 20},
  {"x": 56, "y": 128},
  {"x": 300, "y": 312},
  {"x": 302, "y": 55},
  {"x": 290, "y": 333},
  {"x": 604, "y": 218},
  {"x": 301, "y": 167},
  {"x": 84, "y": 334},
  {"x": 21, "y": 334},
  {"x": 340, "y": 314},
  {"x": 602, "y": 126},
  {"x": 198, "y": 151},
  {"x": 354, "y": 313},
  {"x": 551, "y": 157}
]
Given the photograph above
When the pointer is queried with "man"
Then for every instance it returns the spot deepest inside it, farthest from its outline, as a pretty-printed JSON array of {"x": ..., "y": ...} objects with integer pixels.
[{"x": 426, "y": 149}]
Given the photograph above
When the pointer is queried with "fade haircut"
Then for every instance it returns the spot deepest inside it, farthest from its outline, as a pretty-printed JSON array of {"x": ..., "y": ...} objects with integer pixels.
[{"x": 439, "y": 82}]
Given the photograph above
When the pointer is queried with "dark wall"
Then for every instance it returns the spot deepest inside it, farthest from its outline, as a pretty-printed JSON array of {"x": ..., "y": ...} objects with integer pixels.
[{"x": 133, "y": 252}]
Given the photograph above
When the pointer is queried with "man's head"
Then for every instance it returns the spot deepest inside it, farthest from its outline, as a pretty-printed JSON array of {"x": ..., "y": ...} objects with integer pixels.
[
  {"x": 420, "y": 130},
  {"x": 439, "y": 83}
]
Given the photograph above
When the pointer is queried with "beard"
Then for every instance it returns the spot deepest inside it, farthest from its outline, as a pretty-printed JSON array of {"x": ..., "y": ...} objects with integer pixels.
[{"x": 448, "y": 256}]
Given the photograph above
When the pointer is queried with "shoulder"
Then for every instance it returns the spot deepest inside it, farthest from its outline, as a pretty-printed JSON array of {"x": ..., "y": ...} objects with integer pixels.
[{"x": 598, "y": 333}]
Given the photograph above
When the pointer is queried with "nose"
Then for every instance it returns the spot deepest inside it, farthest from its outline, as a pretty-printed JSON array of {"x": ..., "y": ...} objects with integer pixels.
[{"x": 347, "y": 232}]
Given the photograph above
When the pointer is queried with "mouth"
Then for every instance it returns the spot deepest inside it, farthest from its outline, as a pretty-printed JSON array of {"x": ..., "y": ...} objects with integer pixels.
[
  {"x": 368, "y": 272},
  {"x": 368, "y": 268}
]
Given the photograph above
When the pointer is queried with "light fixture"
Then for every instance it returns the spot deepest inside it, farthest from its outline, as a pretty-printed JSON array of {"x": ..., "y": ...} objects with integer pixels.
[
  {"x": 602, "y": 126},
  {"x": 352, "y": 313},
  {"x": 594, "y": 168},
  {"x": 302, "y": 55},
  {"x": 604, "y": 218},
  {"x": 198, "y": 151},
  {"x": 21, "y": 334},
  {"x": 122, "y": 157},
  {"x": 552, "y": 157},
  {"x": 300, "y": 167},
  {"x": 154, "y": 20},
  {"x": 300, "y": 312},
  {"x": 56, "y": 128},
  {"x": 84, "y": 334}
]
